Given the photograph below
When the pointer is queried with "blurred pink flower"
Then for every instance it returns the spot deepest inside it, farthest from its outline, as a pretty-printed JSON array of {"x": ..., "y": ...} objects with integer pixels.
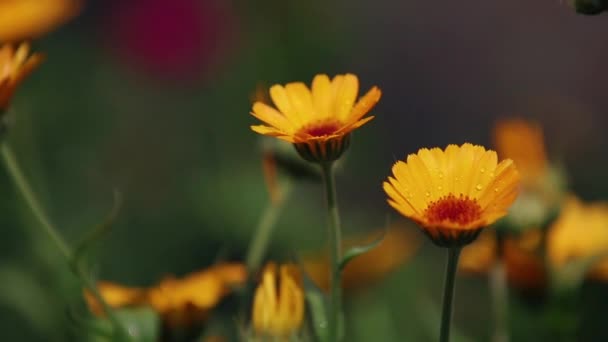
[{"x": 170, "y": 38}]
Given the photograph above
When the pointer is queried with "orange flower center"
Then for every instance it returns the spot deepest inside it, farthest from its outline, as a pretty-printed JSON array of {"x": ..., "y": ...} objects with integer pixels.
[
  {"x": 320, "y": 129},
  {"x": 461, "y": 210}
]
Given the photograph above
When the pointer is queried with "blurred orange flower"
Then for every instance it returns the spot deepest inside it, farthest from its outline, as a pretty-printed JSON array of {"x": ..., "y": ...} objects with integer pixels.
[
  {"x": 15, "y": 66},
  {"x": 180, "y": 301},
  {"x": 522, "y": 256},
  {"x": 27, "y": 19},
  {"x": 278, "y": 304},
  {"x": 453, "y": 193},
  {"x": 396, "y": 248}
]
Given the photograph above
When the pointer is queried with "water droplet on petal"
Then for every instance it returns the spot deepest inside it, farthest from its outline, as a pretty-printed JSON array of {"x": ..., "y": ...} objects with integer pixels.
[
  {"x": 479, "y": 187},
  {"x": 439, "y": 187},
  {"x": 495, "y": 189},
  {"x": 483, "y": 170},
  {"x": 427, "y": 194},
  {"x": 440, "y": 175}
]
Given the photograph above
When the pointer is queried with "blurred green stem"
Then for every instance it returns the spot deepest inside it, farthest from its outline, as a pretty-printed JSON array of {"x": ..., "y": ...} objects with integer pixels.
[
  {"x": 335, "y": 247},
  {"x": 448, "y": 293},
  {"x": 265, "y": 227},
  {"x": 500, "y": 308},
  {"x": 12, "y": 166}
]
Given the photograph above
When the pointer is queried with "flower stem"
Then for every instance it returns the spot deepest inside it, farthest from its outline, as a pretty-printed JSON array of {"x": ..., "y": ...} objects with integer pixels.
[
  {"x": 335, "y": 247},
  {"x": 265, "y": 227},
  {"x": 448, "y": 293},
  {"x": 12, "y": 166},
  {"x": 499, "y": 293}
]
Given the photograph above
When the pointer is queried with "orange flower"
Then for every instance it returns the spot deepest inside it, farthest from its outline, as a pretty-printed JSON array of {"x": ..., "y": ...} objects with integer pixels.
[
  {"x": 521, "y": 255},
  {"x": 319, "y": 120},
  {"x": 27, "y": 19},
  {"x": 523, "y": 142},
  {"x": 15, "y": 66},
  {"x": 180, "y": 301},
  {"x": 453, "y": 193},
  {"x": 398, "y": 246},
  {"x": 115, "y": 296}
]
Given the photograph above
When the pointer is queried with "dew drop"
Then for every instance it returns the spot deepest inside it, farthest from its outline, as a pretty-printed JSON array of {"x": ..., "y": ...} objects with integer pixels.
[
  {"x": 478, "y": 187},
  {"x": 483, "y": 170},
  {"x": 439, "y": 187},
  {"x": 440, "y": 175},
  {"x": 427, "y": 194},
  {"x": 495, "y": 189}
]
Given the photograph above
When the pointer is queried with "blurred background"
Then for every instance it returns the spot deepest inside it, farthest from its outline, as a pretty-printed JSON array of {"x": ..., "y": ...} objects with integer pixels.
[{"x": 152, "y": 97}]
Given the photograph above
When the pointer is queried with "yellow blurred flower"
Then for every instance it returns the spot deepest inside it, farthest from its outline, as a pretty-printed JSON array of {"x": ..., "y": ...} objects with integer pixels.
[
  {"x": 278, "y": 304},
  {"x": 319, "y": 120},
  {"x": 15, "y": 66},
  {"x": 180, "y": 301},
  {"x": 397, "y": 247},
  {"x": 115, "y": 296},
  {"x": 523, "y": 142},
  {"x": 580, "y": 233},
  {"x": 453, "y": 193},
  {"x": 27, "y": 19}
]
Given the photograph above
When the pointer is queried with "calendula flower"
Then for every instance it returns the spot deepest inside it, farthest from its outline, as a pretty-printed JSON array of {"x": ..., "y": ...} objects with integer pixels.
[
  {"x": 396, "y": 248},
  {"x": 453, "y": 193},
  {"x": 180, "y": 301},
  {"x": 521, "y": 255},
  {"x": 116, "y": 296},
  {"x": 15, "y": 66},
  {"x": 523, "y": 142},
  {"x": 580, "y": 233},
  {"x": 278, "y": 304},
  {"x": 27, "y": 19},
  {"x": 319, "y": 120}
]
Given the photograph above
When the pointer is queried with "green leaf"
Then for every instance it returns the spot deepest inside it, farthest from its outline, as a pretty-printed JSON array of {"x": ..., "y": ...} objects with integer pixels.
[
  {"x": 142, "y": 325},
  {"x": 358, "y": 250},
  {"x": 317, "y": 309}
]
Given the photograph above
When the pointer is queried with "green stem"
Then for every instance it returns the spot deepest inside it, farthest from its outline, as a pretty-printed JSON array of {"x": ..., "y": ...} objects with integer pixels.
[
  {"x": 265, "y": 227},
  {"x": 448, "y": 293},
  {"x": 499, "y": 293},
  {"x": 335, "y": 247},
  {"x": 30, "y": 198},
  {"x": 33, "y": 203}
]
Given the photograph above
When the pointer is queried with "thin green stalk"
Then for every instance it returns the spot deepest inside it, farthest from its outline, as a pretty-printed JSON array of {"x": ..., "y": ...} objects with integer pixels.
[
  {"x": 335, "y": 248},
  {"x": 265, "y": 227},
  {"x": 12, "y": 166},
  {"x": 448, "y": 293},
  {"x": 499, "y": 294}
]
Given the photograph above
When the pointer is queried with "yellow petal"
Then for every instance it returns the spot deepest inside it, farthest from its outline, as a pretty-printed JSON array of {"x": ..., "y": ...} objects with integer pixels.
[
  {"x": 345, "y": 98},
  {"x": 301, "y": 101},
  {"x": 322, "y": 95},
  {"x": 271, "y": 116},
  {"x": 281, "y": 101},
  {"x": 365, "y": 104}
]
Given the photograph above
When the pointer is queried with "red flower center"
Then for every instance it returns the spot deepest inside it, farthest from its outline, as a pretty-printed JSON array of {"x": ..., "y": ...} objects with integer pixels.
[
  {"x": 320, "y": 129},
  {"x": 461, "y": 210}
]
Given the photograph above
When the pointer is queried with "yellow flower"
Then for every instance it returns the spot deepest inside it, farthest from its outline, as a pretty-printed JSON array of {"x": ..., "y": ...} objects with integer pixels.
[
  {"x": 278, "y": 304},
  {"x": 523, "y": 142},
  {"x": 398, "y": 246},
  {"x": 580, "y": 233},
  {"x": 15, "y": 65},
  {"x": 453, "y": 193},
  {"x": 319, "y": 120},
  {"x": 180, "y": 301},
  {"x": 26, "y": 19},
  {"x": 115, "y": 296}
]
